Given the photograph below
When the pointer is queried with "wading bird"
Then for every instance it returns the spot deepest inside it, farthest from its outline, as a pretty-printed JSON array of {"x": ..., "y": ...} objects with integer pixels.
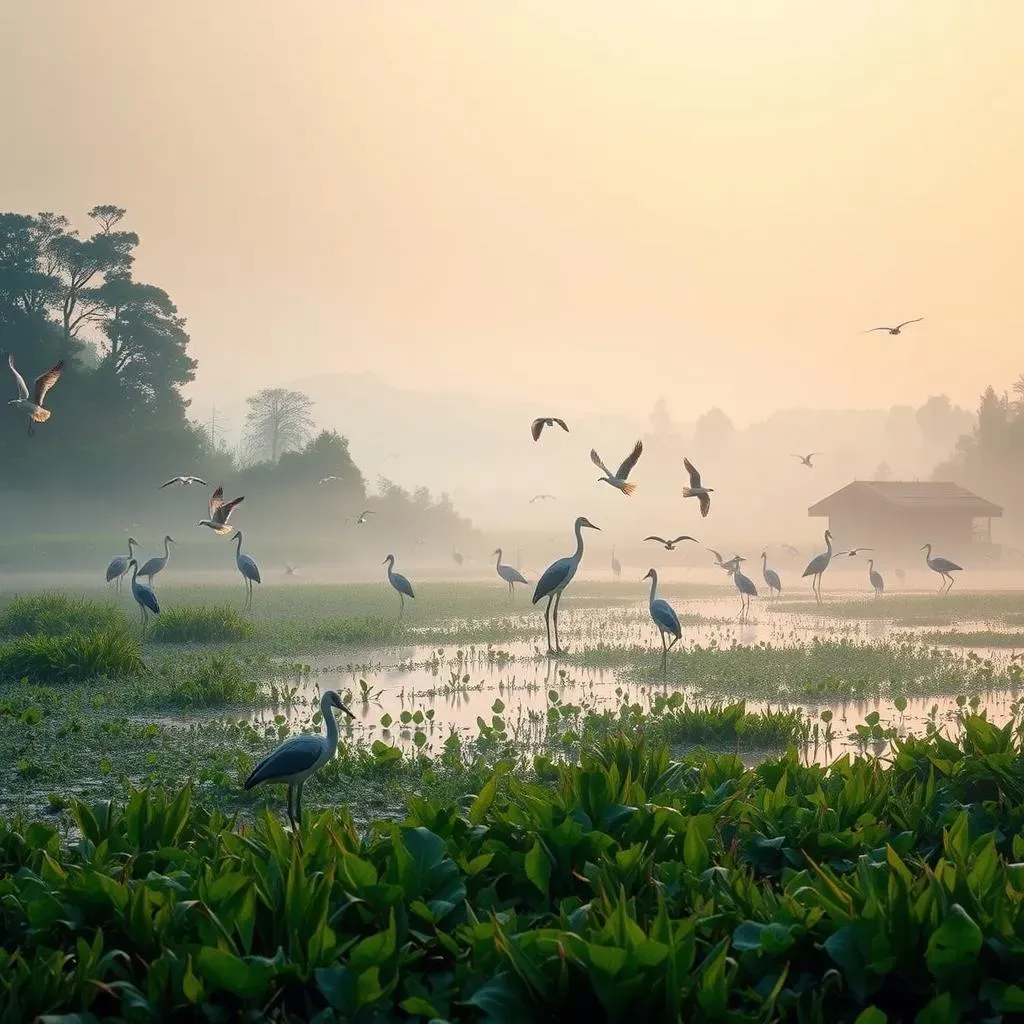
[
  {"x": 901, "y": 575},
  {"x": 618, "y": 479},
  {"x": 806, "y": 459},
  {"x": 875, "y": 578},
  {"x": 34, "y": 405},
  {"x": 545, "y": 421},
  {"x": 943, "y": 566},
  {"x": 220, "y": 512},
  {"x": 398, "y": 581},
  {"x": 616, "y": 566},
  {"x": 541, "y": 497},
  {"x": 144, "y": 596},
  {"x": 897, "y": 329},
  {"x": 745, "y": 585},
  {"x": 771, "y": 577},
  {"x": 119, "y": 566},
  {"x": 670, "y": 545},
  {"x": 556, "y": 578},
  {"x": 184, "y": 481},
  {"x": 695, "y": 490},
  {"x": 508, "y": 574},
  {"x": 248, "y": 568},
  {"x": 817, "y": 565},
  {"x": 664, "y": 617},
  {"x": 299, "y": 756},
  {"x": 457, "y": 556},
  {"x": 158, "y": 562}
]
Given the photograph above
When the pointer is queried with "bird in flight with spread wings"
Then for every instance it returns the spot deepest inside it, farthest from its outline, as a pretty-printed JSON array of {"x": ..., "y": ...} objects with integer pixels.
[
  {"x": 220, "y": 512},
  {"x": 806, "y": 459},
  {"x": 184, "y": 481},
  {"x": 618, "y": 478},
  {"x": 545, "y": 421},
  {"x": 898, "y": 329},
  {"x": 34, "y": 405},
  {"x": 696, "y": 490}
]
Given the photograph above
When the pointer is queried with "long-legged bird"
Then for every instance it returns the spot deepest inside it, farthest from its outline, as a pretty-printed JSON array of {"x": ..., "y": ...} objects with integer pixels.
[
  {"x": 943, "y": 566},
  {"x": 875, "y": 578},
  {"x": 398, "y": 581},
  {"x": 145, "y": 597},
  {"x": 817, "y": 565},
  {"x": 158, "y": 562},
  {"x": 509, "y": 574},
  {"x": 119, "y": 566},
  {"x": 771, "y": 577},
  {"x": 746, "y": 588},
  {"x": 663, "y": 616},
  {"x": 248, "y": 568},
  {"x": 556, "y": 578}
]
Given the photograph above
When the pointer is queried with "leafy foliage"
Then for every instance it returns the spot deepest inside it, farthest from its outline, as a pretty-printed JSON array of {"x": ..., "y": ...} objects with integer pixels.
[
  {"x": 56, "y": 614},
  {"x": 72, "y": 657}
]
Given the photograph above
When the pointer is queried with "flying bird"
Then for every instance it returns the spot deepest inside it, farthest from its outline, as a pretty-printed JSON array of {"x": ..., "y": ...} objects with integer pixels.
[
  {"x": 897, "y": 329},
  {"x": 290, "y": 570},
  {"x": 664, "y": 616},
  {"x": 618, "y": 479},
  {"x": 184, "y": 481},
  {"x": 220, "y": 512},
  {"x": 34, "y": 405},
  {"x": 728, "y": 565},
  {"x": 300, "y": 756},
  {"x": 556, "y": 577},
  {"x": 542, "y": 497},
  {"x": 695, "y": 490},
  {"x": 806, "y": 459},
  {"x": 545, "y": 421},
  {"x": 852, "y": 553},
  {"x": 670, "y": 545},
  {"x": 360, "y": 520},
  {"x": 943, "y": 566},
  {"x": 328, "y": 479},
  {"x": 791, "y": 550}
]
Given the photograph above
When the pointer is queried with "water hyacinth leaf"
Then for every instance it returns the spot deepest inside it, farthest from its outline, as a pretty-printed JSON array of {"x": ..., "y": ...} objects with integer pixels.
[
  {"x": 418, "y": 1006},
  {"x": 338, "y": 987},
  {"x": 482, "y": 804},
  {"x": 955, "y": 943},
  {"x": 375, "y": 949}
]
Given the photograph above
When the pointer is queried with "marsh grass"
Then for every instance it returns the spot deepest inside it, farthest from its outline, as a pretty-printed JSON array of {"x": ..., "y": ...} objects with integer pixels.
[
  {"x": 207, "y": 680},
  {"x": 56, "y": 614},
  {"x": 207, "y": 624},
  {"x": 964, "y": 606},
  {"x": 71, "y": 658}
]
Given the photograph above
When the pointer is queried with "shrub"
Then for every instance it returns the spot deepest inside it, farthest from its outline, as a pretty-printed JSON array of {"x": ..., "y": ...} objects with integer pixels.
[
  {"x": 58, "y": 614},
  {"x": 200, "y": 624},
  {"x": 72, "y": 658}
]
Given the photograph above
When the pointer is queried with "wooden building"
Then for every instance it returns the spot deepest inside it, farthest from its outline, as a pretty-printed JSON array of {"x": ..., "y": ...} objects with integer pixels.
[{"x": 897, "y": 516}]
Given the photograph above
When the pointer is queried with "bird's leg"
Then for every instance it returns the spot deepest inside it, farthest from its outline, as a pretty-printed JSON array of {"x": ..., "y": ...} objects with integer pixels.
[
  {"x": 558, "y": 646},
  {"x": 298, "y": 805},
  {"x": 547, "y": 622},
  {"x": 401, "y": 606},
  {"x": 291, "y": 817}
]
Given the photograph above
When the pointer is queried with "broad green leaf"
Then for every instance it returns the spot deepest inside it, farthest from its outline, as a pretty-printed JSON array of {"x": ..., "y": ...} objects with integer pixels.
[
  {"x": 418, "y": 1006},
  {"x": 481, "y": 805},
  {"x": 500, "y": 1001},
  {"x": 244, "y": 978},
  {"x": 538, "y": 867},
  {"x": 938, "y": 1011},
  {"x": 191, "y": 986},
  {"x": 872, "y": 1015},
  {"x": 375, "y": 949},
  {"x": 955, "y": 943}
]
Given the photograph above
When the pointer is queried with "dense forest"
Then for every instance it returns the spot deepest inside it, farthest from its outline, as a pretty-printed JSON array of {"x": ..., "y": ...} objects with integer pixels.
[{"x": 120, "y": 424}]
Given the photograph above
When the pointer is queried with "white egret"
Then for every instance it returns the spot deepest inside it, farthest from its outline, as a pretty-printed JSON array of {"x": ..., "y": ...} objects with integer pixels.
[
  {"x": 220, "y": 512},
  {"x": 300, "y": 756},
  {"x": 398, "y": 581},
  {"x": 119, "y": 566},
  {"x": 817, "y": 565},
  {"x": 618, "y": 478},
  {"x": 510, "y": 575},
  {"x": 664, "y": 617},
  {"x": 158, "y": 562},
  {"x": 557, "y": 576},
  {"x": 34, "y": 405},
  {"x": 943, "y": 566},
  {"x": 545, "y": 421},
  {"x": 248, "y": 568},
  {"x": 696, "y": 489}
]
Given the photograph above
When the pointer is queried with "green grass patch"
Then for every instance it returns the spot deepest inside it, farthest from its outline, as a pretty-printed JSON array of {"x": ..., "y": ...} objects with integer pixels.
[
  {"x": 72, "y": 658},
  {"x": 56, "y": 614},
  {"x": 200, "y": 624},
  {"x": 974, "y": 638},
  {"x": 207, "y": 680}
]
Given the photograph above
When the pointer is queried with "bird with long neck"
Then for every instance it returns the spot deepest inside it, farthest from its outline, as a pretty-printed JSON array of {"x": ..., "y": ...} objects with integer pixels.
[
  {"x": 771, "y": 577},
  {"x": 119, "y": 566},
  {"x": 943, "y": 566},
  {"x": 664, "y": 617},
  {"x": 510, "y": 575},
  {"x": 817, "y": 565},
  {"x": 556, "y": 578}
]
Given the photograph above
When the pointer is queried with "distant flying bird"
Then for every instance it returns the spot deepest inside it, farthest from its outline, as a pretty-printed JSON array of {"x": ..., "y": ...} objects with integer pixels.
[
  {"x": 360, "y": 520},
  {"x": 545, "y": 421},
  {"x": 158, "y": 562},
  {"x": 119, "y": 566},
  {"x": 618, "y": 479},
  {"x": 663, "y": 616},
  {"x": 897, "y": 329},
  {"x": 290, "y": 570},
  {"x": 806, "y": 459},
  {"x": 34, "y": 405},
  {"x": 398, "y": 581},
  {"x": 670, "y": 545},
  {"x": 791, "y": 550},
  {"x": 184, "y": 481},
  {"x": 510, "y": 575},
  {"x": 817, "y": 565},
  {"x": 727, "y": 565},
  {"x": 220, "y": 512},
  {"x": 695, "y": 490},
  {"x": 144, "y": 596},
  {"x": 771, "y": 577},
  {"x": 542, "y": 497},
  {"x": 556, "y": 577},
  {"x": 328, "y": 479},
  {"x": 852, "y": 553},
  {"x": 300, "y": 756},
  {"x": 875, "y": 578},
  {"x": 248, "y": 568},
  {"x": 943, "y": 566}
]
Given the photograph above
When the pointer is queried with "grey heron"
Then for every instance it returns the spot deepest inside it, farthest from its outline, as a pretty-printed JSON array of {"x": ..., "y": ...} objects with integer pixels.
[
  {"x": 34, "y": 405},
  {"x": 398, "y": 581},
  {"x": 663, "y": 616},
  {"x": 616, "y": 566},
  {"x": 746, "y": 588},
  {"x": 771, "y": 577},
  {"x": 618, "y": 478},
  {"x": 457, "y": 556},
  {"x": 943, "y": 566},
  {"x": 299, "y": 757},
  {"x": 119, "y": 566},
  {"x": 248, "y": 568},
  {"x": 510, "y": 575},
  {"x": 545, "y": 421},
  {"x": 556, "y": 578},
  {"x": 897, "y": 329},
  {"x": 670, "y": 545},
  {"x": 184, "y": 481},
  {"x": 805, "y": 460},
  {"x": 220, "y": 512},
  {"x": 158, "y": 562},
  {"x": 875, "y": 578},
  {"x": 144, "y": 596},
  {"x": 817, "y": 565},
  {"x": 696, "y": 489}
]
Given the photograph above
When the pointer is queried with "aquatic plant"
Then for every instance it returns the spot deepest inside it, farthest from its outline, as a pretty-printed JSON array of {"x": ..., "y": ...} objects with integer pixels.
[
  {"x": 71, "y": 658},
  {"x": 199, "y": 624},
  {"x": 56, "y": 614}
]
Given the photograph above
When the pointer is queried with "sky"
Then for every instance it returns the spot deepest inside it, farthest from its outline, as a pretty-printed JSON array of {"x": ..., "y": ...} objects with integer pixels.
[{"x": 586, "y": 205}]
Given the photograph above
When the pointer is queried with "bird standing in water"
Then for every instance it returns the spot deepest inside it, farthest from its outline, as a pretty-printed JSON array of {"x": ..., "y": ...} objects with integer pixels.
[
  {"x": 556, "y": 577},
  {"x": 663, "y": 616}
]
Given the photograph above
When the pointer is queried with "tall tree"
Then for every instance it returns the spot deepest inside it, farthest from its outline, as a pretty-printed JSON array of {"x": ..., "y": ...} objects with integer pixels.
[{"x": 278, "y": 421}]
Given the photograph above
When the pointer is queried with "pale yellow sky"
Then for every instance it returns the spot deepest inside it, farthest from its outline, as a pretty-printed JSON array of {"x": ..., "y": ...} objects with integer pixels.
[{"x": 702, "y": 200}]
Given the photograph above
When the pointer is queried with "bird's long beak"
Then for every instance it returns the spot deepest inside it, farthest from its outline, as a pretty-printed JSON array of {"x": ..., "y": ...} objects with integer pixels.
[{"x": 346, "y": 710}]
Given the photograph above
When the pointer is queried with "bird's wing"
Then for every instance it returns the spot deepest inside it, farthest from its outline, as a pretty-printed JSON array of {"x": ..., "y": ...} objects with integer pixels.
[
  {"x": 870, "y": 329},
  {"x": 18, "y": 379},
  {"x": 660, "y": 540},
  {"x": 226, "y": 509},
  {"x": 694, "y": 475},
  {"x": 916, "y": 320},
  {"x": 630, "y": 460},
  {"x": 717, "y": 555},
  {"x": 173, "y": 480},
  {"x": 216, "y": 500},
  {"x": 196, "y": 480},
  {"x": 297, "y": 754},
  {"x": 596, "y": 460},
  {"x": 684, "y": 536},
  {"x": 45, "y": 381},
  {"x": 561, "y": 423},
  {"x": 536, "y": 427},
  {"x": 705, "y": 504}
]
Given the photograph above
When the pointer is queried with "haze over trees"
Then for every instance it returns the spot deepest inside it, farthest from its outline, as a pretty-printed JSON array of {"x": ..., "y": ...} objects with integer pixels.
[{"x": 278, "y": 421}]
